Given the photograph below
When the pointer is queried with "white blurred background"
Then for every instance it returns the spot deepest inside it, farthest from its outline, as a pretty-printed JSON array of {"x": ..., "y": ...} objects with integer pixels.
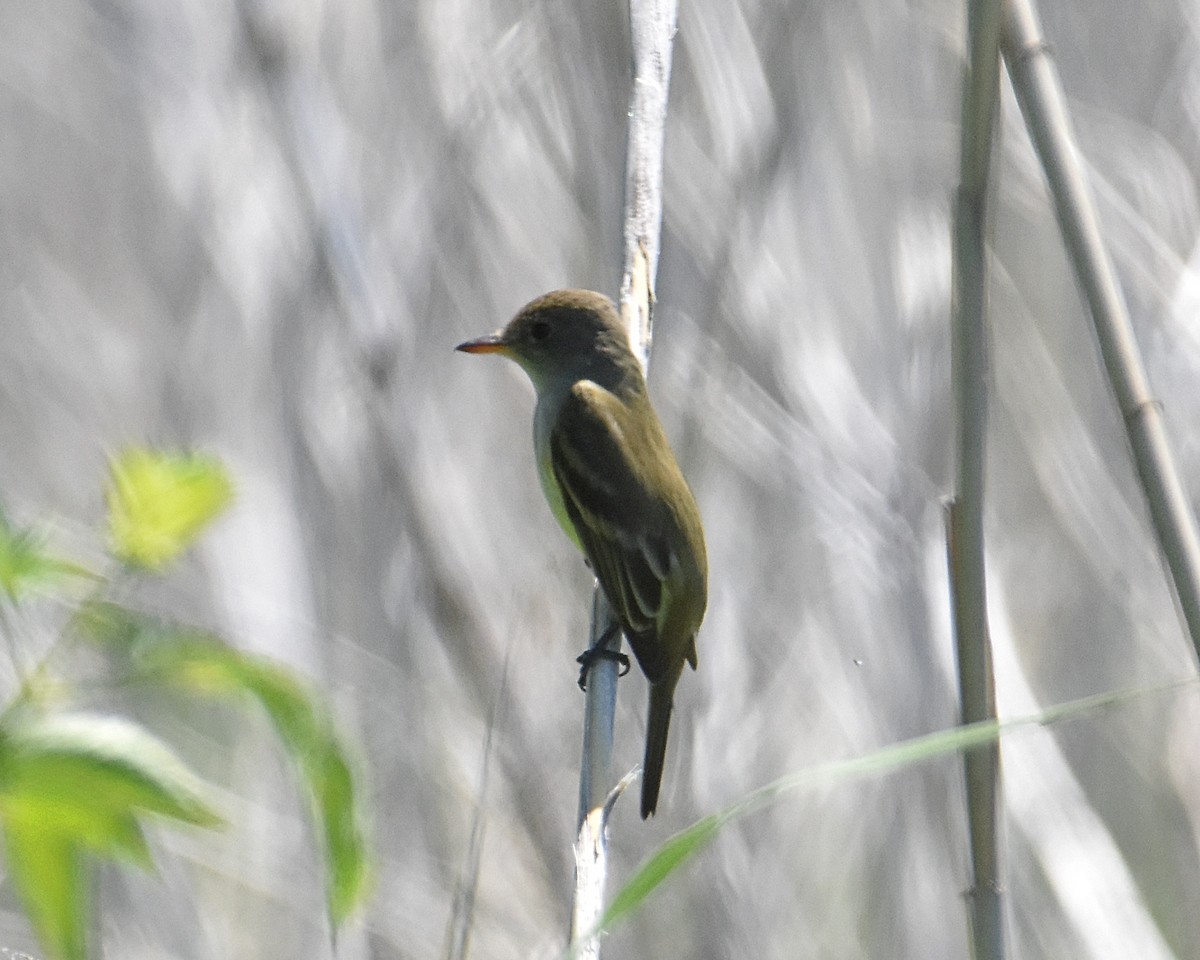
[{"x": 259, "y": 229}]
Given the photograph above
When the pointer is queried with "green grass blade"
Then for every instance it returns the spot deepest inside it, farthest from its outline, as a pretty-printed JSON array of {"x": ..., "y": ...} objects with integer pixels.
[
  {"x": 665, "y": 861},
  {"x": 679, "y": 849}
]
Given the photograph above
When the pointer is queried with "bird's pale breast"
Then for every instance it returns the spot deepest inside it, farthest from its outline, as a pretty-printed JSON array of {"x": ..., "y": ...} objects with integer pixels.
[{"x": 548, "y": 405}]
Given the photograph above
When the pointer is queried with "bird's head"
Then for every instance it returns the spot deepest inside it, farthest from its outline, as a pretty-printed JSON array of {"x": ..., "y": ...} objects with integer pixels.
[{"x": 565, "y": 335}]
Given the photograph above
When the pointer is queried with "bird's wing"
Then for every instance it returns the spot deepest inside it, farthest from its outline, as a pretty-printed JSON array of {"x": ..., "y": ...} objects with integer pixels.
[{"x": 622, "y": 528}]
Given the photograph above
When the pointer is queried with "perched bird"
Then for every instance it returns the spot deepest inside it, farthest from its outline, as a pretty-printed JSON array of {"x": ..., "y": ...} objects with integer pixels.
[{"x": 612, "y": 482}]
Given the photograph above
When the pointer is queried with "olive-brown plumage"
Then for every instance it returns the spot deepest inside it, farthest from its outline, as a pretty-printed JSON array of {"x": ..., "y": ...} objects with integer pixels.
[{"x": 613, "y": 483}]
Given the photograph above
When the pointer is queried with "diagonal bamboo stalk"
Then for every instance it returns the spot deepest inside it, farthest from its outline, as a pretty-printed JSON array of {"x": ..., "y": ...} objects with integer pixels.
[
  {"x": 1040, "y": 94},
  {"x": 652, "y": 33},
  {"x": 964, "y": 515}
]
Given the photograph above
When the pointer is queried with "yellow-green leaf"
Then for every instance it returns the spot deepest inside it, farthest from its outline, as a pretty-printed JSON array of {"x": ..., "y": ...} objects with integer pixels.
[
  {"x": 49, "y": 873},
  {"x": 77, "y": 783},
  {"x": 101, "y": 830},
  {"x": 159, "y": 502},
  {"x": 332, "y": 786},
  {"x": 83, "y": 774}
]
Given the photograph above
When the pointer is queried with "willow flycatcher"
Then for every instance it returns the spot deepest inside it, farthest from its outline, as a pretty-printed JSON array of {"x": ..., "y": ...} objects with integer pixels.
[{"x": 612, "y": 482}]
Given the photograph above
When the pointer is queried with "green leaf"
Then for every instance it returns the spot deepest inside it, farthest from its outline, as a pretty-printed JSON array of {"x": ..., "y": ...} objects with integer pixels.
[
  {"x": 159, "y": 502},
  {"x": 196, "y": 661},
  {"x": 76, "y": 783},
  {"x": 332, "y": 786},
  {"x": 308, "y": 737},
  {"x": 101, "y": 830},
  {"x": 25, "y": 565},
  {"x": 49, "y": 873},
  {"x": 85, "y": 774}
]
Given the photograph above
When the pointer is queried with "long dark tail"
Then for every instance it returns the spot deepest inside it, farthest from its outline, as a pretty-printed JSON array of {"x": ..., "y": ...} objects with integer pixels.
[{"x": 658, "y": 720}]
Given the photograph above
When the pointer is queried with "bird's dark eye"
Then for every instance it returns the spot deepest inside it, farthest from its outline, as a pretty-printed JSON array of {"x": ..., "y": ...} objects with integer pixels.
[{"x": 539, "y": 331}]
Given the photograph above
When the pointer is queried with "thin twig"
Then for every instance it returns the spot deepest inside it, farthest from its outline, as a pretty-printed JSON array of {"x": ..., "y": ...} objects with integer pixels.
[
  {"x": 591, "y": 867},
  {"x": 1040, "y": 94},
  {"x": 652, "y": 32},
  {"x": 964, "y": 516}
]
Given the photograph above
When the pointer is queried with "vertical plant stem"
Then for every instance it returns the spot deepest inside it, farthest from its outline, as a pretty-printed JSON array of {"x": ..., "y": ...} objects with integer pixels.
[
  {"x": 652, "y": 33},
  {"x": 595, "y": 771},
  {"x": 1040, "y": 94},
  {"x": 965, "y": 537}
]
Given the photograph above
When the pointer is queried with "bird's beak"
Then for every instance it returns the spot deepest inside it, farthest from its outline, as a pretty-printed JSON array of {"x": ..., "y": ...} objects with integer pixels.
[{"x": 492, "y": 343}]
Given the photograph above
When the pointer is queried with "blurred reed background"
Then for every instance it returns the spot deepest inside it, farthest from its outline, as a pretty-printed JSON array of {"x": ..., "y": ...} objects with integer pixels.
[{"x": 259, "y": 229}]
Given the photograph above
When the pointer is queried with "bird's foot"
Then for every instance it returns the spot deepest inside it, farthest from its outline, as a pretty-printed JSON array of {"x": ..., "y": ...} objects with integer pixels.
[
  {"x": 599, "y": 651},
  {"x": 592, "y": 654}
]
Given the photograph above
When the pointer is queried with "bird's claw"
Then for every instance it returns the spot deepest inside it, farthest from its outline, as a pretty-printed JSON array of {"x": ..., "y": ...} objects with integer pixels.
[{"x": 599, "y": 652}]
